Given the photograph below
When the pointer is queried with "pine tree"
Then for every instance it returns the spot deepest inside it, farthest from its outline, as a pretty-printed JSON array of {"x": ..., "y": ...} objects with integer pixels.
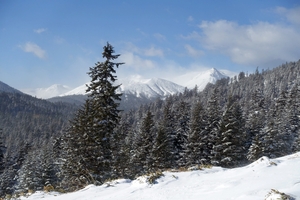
[
  {"x": 277, "y": 139},
  {"x": 213, "y": 120},
  {"x": 195, "y": 148},
  {"x": 89, "y": 154},
  {"x": 103, "y": 95},
  {"x": 230, "y": 150},
  {"x": 293, "y": 116},
  {"x": 182, "y": 118},
  {"x": 121, "y": 144},
  {"x": 143, "y": 147},
  {"x": 256, "y": 123},
  {"x": 162, "y": 149},
  {"x": 168, "y": 129}
]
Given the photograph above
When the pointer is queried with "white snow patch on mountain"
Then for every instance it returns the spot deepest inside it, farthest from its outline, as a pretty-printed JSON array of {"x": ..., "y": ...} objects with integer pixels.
[
  {"x": 139, "y": 86},
  {"x": 190, "y": 80},
  {"x": 263, "y": 179},
  {"x": 45, "y": 93}
]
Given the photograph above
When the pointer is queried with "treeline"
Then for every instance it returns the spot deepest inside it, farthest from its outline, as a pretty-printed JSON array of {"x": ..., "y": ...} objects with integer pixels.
[{"x": 230, "y": 123}]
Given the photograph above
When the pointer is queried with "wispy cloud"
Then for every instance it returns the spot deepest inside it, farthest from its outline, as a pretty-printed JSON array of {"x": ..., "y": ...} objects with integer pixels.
[
  {"x": 251, "y": 44},
  {"x": 192, "y": 51},
  {"x": 292, "y": 15},
  {"x": 152, "y": 51},
  {"x": 40, "y": 30},
  {"x": 136, "y": 61},
  {"x": 159, "y": 37},
  {"x": 190, "y": 19},
  {"x": 33, "y": 48}
]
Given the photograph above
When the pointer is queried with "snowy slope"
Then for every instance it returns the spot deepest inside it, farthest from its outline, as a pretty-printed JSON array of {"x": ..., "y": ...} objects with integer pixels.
[
  {"x": 139, "y": 87},
  {"x": 6, "y": 88},
  {"x": 254, "y": 181},
  {"x": 45, "y": 93},
  {"x": 201, "y": 78}
]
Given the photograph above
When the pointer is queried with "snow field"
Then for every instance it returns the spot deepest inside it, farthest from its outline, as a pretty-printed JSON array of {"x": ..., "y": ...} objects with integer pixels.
[{"x": 254, "y": 181}]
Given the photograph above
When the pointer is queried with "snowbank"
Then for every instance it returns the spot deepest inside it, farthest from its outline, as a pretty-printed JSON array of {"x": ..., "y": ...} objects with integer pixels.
[{"x": 263, "y": 179}]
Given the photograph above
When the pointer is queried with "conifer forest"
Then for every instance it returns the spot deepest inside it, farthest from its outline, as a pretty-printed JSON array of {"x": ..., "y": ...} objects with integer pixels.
[{"x": 65, "y": 147}]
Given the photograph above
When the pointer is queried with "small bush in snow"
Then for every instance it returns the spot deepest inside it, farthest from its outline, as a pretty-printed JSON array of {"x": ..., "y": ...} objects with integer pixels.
[
  {"x": 154, "y": 176},
  {"x": 48, "y": 188},
  {"x": 276, "y": 195}
]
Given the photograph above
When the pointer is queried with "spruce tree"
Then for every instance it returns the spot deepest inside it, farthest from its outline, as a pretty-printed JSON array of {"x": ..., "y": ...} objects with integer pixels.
[
  {"x": 293, "y": 113},
  {"x": 230, "y": 150},
  {"x": 143, "y": 147},
  {"x": 195, "y": 148},
  {"x": 182, "y": 118},
  {"x": 104, "y": 100},
  {"x": 89, "y": 154},
  {"x": 213, "y": 121}
]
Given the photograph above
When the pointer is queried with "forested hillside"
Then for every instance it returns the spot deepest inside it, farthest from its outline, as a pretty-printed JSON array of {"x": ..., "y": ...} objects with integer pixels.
[
  {"x": 28, "y": 126},
  {"x": 228, "y": 124}
]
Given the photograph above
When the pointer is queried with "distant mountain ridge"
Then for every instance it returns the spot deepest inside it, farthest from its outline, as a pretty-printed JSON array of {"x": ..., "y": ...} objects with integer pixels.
[
  {"x": 6, "y": 88},
  {"x": 140, "y": 87}
]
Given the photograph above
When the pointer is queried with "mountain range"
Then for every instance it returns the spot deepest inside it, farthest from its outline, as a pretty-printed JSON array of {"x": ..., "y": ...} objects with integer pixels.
[
  {"x": 138, "y": 86},
  {"x": 136, "y": 90}
]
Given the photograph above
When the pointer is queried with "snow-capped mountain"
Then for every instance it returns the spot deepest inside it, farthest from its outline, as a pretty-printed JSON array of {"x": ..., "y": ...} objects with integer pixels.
[
  {"x": 45, "y": 93},
  {"x": 139, "y": 87},
  {"x": 6, "y": 88},
  {"x": 149, "y": 88},
  {"x": 201, "y": 78}
]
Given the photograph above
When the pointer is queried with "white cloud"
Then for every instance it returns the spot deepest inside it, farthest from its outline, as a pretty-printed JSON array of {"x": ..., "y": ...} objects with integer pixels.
[
  {"x": 254, "y": 44},
  {"x": 152, "y": 51},
  {"x": 35, "y": 49},
  {"x": 292, "y": 15},
  {"x": 135, "y": 61},
  {"x": 40, "y": 30},
  {"x": 193, "y": 52}
]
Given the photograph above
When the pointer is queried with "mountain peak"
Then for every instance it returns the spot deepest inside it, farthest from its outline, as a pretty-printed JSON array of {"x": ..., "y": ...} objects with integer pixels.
[{"x": 202, "y": 78}]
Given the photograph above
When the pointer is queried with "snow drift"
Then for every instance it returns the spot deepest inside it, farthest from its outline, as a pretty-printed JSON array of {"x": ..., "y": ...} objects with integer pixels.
[{"x": 263, "y": 179}]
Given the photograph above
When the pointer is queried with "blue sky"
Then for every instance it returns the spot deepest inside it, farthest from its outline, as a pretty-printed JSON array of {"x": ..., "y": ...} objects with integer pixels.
[{"x": 56, "y": 41}]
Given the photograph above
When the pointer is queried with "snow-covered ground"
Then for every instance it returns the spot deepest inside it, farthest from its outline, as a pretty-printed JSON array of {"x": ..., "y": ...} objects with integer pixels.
[{"x": 254, "y": 181}]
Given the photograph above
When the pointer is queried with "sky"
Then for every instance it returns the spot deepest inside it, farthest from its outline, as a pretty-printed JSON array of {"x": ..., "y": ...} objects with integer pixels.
[{"x": 56, "y": 41}]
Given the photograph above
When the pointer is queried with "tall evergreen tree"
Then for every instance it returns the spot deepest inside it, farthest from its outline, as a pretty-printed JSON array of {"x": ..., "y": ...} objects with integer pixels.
[
  {"x": 182, "y": 118},
  {"x": 94, "y": 125},
  {"x": 195, "y": 147},
  {"x": 213, "y": 120},
  {"x": 230, "y": 150},
  {"x": 293, "y": 110},
  {"x": 143, "y": 147}
]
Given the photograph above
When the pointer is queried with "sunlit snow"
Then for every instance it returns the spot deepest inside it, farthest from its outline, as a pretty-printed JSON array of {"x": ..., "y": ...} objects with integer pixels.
[{"x": 254, "y": 181}]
